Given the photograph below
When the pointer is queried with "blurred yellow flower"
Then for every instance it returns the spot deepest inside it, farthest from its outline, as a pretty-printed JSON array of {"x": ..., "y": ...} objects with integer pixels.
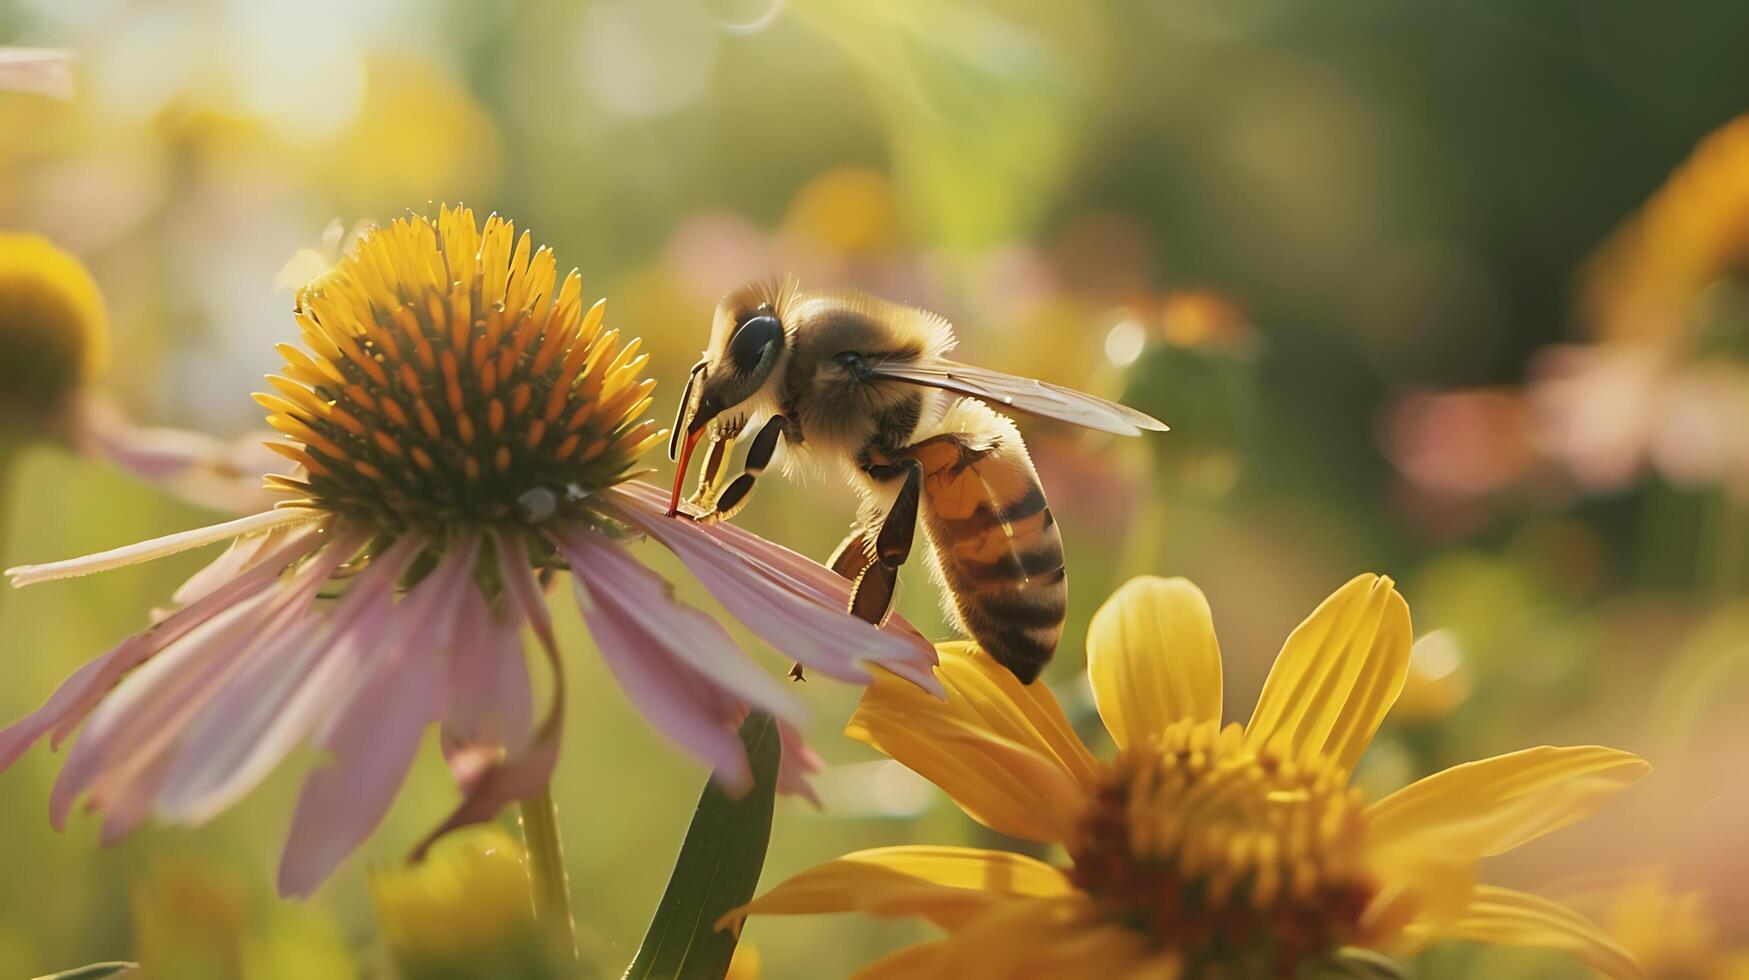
[
  {"x": 464, "y": 911},
  {"x": 1438, "y": 679},
  {"x": 1203, "y": 851},
  {"x": 54, "y": 333},
  {"x": 846, "y": 209},
  {"x": 418, "y": 135},
  {"x": 1643, "y": 283},
  {"x": 1671, "y": 932},
  {"x": 745, "y": 964},
  {"x": 189, "y": 921}
]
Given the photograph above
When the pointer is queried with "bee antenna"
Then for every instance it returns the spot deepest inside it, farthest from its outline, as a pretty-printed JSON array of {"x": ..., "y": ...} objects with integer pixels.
[{"x": 683, "y": 413}]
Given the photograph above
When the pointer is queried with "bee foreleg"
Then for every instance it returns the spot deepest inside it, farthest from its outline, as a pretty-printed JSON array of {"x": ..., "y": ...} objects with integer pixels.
[
  {"x": 716, "y": 460},
  {"x": 759, "y": 453},
  {"x": 871, "y": 598}
]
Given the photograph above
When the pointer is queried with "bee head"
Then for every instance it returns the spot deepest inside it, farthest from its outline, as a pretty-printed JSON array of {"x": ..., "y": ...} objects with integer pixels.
[{"x": 747, "y": 340}]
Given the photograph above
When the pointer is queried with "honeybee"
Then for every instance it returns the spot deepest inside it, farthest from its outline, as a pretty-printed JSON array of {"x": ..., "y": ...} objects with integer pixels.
[{"x": 868, "y": 383}]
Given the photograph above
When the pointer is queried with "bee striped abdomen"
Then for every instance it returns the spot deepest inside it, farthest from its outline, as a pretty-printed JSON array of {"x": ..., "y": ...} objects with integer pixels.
[{"x": 997, "y": 546}]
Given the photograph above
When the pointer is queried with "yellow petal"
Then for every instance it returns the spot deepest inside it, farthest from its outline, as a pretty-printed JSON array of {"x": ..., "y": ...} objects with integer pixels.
[
  {"x": 1002, "y": 785},
  {"x": 1002, "y": 750},
  {"x": 1493, "y": 805},
  {"x": 1511, "y": 918},
  {"x": 1336, "y": 676},
  {"x": 923, "y": 961},
  {"x": 1153, "y": 658},
  {"x": 981, "y": 690},
  {"x": 946, "y": 885},
  {"x": 1064, "y": 938}
]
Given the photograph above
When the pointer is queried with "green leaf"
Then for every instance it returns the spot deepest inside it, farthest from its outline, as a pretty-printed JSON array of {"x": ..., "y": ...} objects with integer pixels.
[
  {"x": 717, "y": 870},
  {"x": 93, "y": 971}
]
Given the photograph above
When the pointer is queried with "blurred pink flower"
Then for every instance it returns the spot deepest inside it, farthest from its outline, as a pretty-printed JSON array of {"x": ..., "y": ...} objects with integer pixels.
[
  {"x": 1460, "y": 443},
  {"x": 1612, "y": 410},
  {"x": 222, "y": 474},
  {"x": 437, "y": 487},
  {"x": 44, "y": 71},
  {"x": 1667, "y": 385},
  {"x": 1663, "y": 388}
]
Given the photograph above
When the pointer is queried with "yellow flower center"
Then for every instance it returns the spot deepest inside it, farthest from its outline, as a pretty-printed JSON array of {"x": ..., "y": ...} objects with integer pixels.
[
  {"x": 1244, "y": 864},
  {"x": 53, "y": 331},
  {"x": 447, "y": 385}
]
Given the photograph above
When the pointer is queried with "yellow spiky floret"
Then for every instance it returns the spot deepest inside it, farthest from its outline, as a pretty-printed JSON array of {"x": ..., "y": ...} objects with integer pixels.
[{"x": 445, "y": 380}]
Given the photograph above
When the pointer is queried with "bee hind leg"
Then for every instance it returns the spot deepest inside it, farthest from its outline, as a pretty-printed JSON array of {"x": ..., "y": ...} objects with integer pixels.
[
  {"x": 873, "y": 566},
  {"x": 871, "y": 598},
  {"x": 852, "y": 556}
]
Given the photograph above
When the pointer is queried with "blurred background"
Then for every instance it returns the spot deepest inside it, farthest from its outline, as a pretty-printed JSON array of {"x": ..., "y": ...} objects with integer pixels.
[{"x": 1454, "y": 291}]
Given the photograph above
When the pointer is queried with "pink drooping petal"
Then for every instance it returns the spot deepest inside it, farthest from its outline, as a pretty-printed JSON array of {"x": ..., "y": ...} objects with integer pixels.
[
  {"x": 421, "y": 624},
  {"x": 224, "y": 475},
  {"x": 515, "y": 777},
  {"x": 376, "y": 734},
  {"x": 491, "y": 708},
  {"x": 762, "y": 586},
  {"x": 80, "y": 693},
  {"x": 243, "y": 554},
  {"x": 277, "y": 700},
  {"x": 145, "y": 719},
  {"x": 647, "y": 640},
  {"x": 795, "y": 571},
  {"x": 45, "y": 71},
  {"x": 698, "y": 642},
  {"x": 798, "y": 764},
  {"x": 521, "y": 587},
  {"x": 342, "y": 803},
  {"x": 169, "y": 544},
  {"x": 126, "y": 812},
  {"x": 123, "y": 755}
]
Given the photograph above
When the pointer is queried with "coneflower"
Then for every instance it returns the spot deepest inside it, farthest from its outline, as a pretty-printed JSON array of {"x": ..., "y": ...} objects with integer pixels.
[{"x": 463, "y": 425}]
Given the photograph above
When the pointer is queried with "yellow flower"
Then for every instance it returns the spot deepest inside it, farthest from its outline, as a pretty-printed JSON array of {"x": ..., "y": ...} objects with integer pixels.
[
  {"x": 464, "y": 911},
  {"x": 1672, "y": 933},
  {"x": 54, "y": 334},
  {"x": 847, "y": 210},
  {"x": 1643, "y": 283},
  {"x": 1203, "y": 851}
]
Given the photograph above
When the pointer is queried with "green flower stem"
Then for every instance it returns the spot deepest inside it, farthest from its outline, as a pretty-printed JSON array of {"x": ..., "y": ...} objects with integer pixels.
[
  {"x": 546, "y": 868},
  {"x": 11, "y": 447}
]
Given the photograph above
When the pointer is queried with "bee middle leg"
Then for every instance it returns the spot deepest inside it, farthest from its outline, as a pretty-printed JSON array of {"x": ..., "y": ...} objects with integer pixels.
[{"x": 759, "y": 453}]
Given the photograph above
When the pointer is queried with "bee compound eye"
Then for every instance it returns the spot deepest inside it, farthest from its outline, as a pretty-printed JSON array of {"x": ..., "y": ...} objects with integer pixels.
[{"x": 752, "y": 339}]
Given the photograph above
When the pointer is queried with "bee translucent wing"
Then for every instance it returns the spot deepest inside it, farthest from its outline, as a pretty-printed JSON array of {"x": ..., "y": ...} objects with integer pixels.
[{"x": 1021, "y": 394}]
